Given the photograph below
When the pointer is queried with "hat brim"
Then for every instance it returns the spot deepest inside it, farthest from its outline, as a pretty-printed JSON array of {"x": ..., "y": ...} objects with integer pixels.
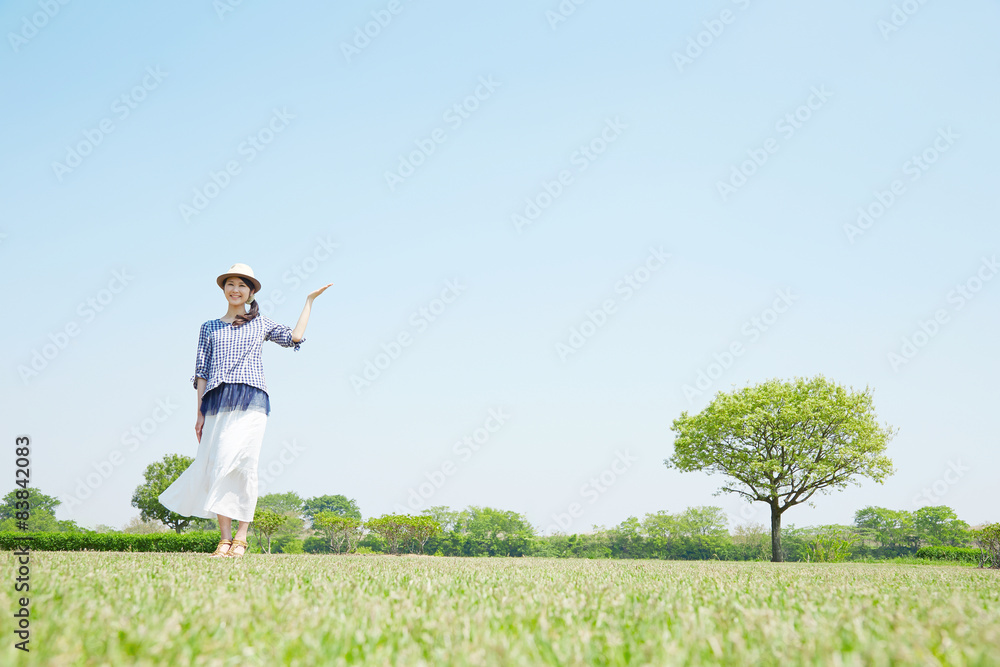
[{"x": 221, "y": 280}]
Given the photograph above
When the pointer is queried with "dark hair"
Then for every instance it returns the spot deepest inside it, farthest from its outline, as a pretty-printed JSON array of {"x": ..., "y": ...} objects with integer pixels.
[{"x": 243, "y": 318}]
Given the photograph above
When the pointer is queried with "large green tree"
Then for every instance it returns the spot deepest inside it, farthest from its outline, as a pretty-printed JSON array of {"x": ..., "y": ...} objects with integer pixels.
[
  {"x": 159, "y": 476},
  {"x": 780, "y": 442},
  {"x": 38, "y": 507}
]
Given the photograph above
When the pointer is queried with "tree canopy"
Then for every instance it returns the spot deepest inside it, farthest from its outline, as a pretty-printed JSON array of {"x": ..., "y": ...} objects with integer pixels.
[
  {"x": 38, "y": 507},
  {"x": 283, "y": 503},
  {"x": 341, "y": 532},
  {"x": 265, "y": 523},
  {"x": 338, "y": 504},
  {"x": 39, "y": 502},
  {"x": 159, "y": 476},
  {"x": 780, "y": 442},
  {"x": 898, "y": 529},
  {"x": 447, "y": 518}
]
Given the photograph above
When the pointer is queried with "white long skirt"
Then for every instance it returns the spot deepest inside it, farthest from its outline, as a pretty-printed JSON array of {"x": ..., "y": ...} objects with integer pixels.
[{"x": 223, "y": 477}]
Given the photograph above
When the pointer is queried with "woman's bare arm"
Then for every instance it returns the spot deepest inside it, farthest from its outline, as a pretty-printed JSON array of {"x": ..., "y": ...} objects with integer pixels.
[
  {"x": 199, "y": 421},
  {"x": 300, "y": 326}
]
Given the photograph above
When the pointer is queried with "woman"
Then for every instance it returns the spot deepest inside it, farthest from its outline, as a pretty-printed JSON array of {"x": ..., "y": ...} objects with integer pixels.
[{"x": 233, "y": 406}]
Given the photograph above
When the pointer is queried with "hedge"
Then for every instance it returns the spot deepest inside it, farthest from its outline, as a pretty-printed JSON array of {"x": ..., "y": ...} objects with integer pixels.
[
  {"x": 196, "y": 541},
  {"x": 960, "y": 554}
]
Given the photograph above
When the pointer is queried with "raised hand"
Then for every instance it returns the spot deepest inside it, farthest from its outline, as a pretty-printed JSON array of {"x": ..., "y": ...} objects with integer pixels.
[{"x": 315, "y": 293}]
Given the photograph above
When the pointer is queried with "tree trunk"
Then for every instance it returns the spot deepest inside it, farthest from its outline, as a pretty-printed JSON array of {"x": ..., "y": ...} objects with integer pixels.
[{"x": 775, "y": 535}]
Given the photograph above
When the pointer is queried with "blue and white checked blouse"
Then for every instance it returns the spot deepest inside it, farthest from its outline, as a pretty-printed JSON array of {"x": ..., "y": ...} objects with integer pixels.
[{"x": 232, "y": 354}]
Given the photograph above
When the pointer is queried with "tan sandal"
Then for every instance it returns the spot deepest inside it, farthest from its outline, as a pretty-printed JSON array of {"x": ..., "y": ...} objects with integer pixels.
[
  {"x": 219, "y": 553},
  {"x": 237, "y": 543}
]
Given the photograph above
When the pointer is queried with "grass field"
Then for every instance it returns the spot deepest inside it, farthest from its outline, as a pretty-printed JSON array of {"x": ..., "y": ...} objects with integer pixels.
[{"x": 177, "y": 609}]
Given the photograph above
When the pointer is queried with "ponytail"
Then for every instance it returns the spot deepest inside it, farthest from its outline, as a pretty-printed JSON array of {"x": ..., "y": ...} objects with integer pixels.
[{"x": 243, "y": 318}]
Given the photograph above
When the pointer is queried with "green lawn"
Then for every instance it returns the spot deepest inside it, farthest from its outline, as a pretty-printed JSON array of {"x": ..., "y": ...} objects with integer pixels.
[{"x": 144, "y": 609}]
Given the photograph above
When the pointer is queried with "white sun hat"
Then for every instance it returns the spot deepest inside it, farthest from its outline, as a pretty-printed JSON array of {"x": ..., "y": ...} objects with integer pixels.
[{"x": 242, "y": 271}]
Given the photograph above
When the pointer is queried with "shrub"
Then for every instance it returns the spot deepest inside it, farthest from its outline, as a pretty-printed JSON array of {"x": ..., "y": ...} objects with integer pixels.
[
  {"x": 286, "y": 544},
  {"x": 201, "y": 541},
  {"x": 831, "y": 547},
  {"x": 315, "y": 545},
  {"x": 959, "y": 554}
]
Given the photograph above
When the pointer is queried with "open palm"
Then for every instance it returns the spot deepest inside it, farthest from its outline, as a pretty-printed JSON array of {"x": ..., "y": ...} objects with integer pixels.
[{"x": 316, "y": 293}]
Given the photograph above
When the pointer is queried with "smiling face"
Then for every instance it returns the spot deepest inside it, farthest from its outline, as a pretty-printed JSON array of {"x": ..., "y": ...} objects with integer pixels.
[{"x": 237, "y": 290}]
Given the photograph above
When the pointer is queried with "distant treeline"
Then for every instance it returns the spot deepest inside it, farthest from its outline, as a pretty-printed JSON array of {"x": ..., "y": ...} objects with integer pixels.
[
  {"x": 697, "y": 533},
  {"x": 286, "y": 523}
]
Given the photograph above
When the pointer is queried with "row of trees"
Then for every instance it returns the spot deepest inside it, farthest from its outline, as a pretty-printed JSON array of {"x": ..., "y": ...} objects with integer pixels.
[
  {"x": 698, "y": 533},
  {"x": 695, "y": 533},
  {"x": 899, "y": 530},
  {"x": 779, "y": 443},
  {"x": 287, "y": 523},
  {"x": 667, "y": 537},
  {"x": 283, "y": 523}
]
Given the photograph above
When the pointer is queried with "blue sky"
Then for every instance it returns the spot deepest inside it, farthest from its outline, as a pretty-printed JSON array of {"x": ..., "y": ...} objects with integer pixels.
[{"x": 148, "y": 147}]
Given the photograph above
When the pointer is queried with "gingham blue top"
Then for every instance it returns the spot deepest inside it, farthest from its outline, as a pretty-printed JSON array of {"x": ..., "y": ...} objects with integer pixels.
[{"x": 231, "y": 355}]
